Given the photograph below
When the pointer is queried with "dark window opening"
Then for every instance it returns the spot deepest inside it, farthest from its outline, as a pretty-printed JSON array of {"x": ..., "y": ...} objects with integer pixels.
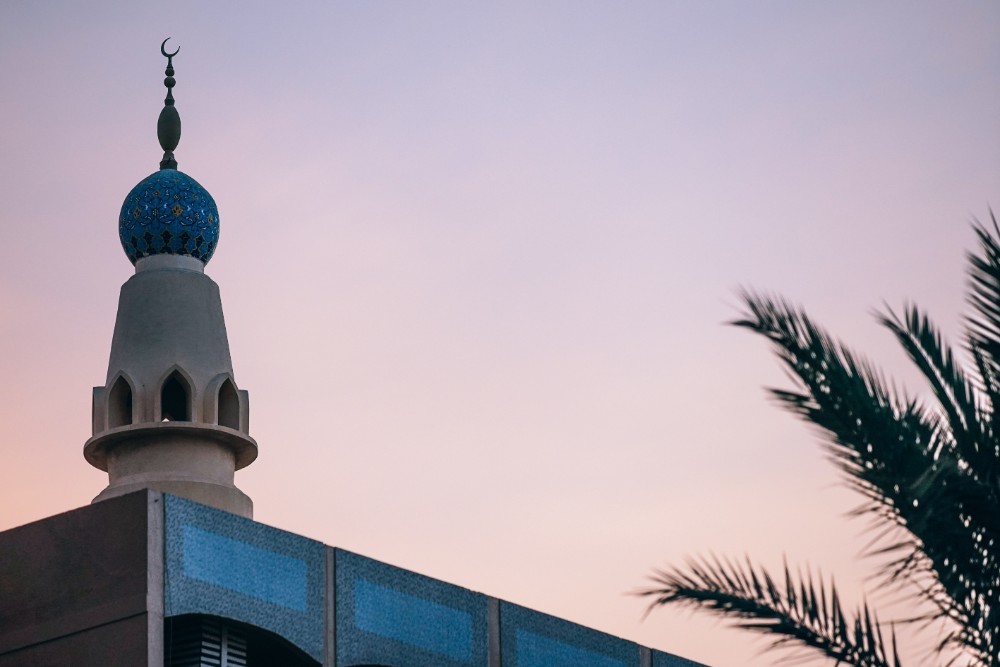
[
  {"x": 120, "y": 404},
  {"x": 229, "y": 406},
  {"x": 197, "y": 641},
  {"x": 174, "y": 403}
]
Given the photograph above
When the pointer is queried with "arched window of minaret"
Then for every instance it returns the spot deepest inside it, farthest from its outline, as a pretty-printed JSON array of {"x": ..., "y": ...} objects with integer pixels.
[
  {"x": 175, "y": 404},
  {"x": 229, "y": 406},
  {"x": 120, "y": 404}
]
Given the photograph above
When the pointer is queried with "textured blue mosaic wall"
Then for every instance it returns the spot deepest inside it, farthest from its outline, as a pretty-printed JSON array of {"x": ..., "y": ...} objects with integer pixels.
[
  {"x": 224, "y": 565},
  {"x": 531, "y": 639},
  {"x": 385, "y": 615},
  {"x": 661, "y": 659}
]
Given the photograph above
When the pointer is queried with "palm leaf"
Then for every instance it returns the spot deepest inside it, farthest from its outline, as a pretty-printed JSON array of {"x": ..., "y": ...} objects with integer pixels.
[
  {"x": 908, "y": 462},
  {"x": 962, "y": 517},
  {"x": 884, "y": 443},
  {"x": 801, "y": 613},
  {"x": 984, "y": 294},
  {"x": 930, "y": 477}
]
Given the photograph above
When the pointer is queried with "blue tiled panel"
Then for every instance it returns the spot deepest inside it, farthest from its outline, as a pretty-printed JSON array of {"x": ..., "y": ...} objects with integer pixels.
[
  {"x": 443, "y": 629},
  {"x": 532, "y": 649},
  {"x": 661, "y": 659},
  {"x": 390, "y": 616},
  {"x": 532, "y": 639},
  {"x": 224, "y": 565},
  {"x": 224, "y": 562}
]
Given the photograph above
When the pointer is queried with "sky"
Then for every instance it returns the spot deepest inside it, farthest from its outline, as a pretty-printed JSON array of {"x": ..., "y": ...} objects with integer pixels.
[{"x": 476, "y": 261}]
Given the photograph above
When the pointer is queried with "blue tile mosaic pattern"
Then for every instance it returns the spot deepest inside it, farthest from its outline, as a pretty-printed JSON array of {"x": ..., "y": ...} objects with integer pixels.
[
  {"x": 224, "y": 562},
  {"x": 532, "y": 649},
  {"x": 377, "y": 608},
  {"x": 661, "y": 659},
  {"x": 224, "y": 565},
  {"x": 168, "y": 212},
  {"x": 386, "y": 615},
  {"x": 532, "y": 639}
]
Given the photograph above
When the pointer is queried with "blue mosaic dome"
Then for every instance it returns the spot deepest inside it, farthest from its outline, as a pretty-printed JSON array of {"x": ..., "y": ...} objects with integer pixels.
[{"x": 168, "y": 212}]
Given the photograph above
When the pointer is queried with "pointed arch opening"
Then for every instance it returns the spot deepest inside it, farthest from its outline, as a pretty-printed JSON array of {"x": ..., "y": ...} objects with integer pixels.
[
  {"x": 120, "y": 404},
  {"x": 175, "y": 399},
  {"x": 229, "y": 405}
]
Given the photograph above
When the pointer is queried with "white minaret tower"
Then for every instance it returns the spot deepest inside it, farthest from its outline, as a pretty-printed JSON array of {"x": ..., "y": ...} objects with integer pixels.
[{"x": 170, "y": 416}]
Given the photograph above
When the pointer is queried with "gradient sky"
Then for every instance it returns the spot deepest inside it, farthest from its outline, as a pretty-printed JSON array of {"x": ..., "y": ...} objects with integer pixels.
[{"x": 476, "y": 257}]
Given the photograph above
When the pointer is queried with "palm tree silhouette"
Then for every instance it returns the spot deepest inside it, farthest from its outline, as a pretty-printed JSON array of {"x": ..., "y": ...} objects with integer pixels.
[{"x": 929, "y": 474}]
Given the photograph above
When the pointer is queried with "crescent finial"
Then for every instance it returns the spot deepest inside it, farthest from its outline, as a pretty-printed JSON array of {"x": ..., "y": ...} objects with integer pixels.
[
  {"x": 168, "y": 127},
  {"x": 164, "y": 51}
]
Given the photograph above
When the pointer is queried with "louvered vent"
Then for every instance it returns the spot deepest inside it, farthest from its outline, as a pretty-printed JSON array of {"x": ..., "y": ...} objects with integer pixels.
[{"x": 204, "y": 642}]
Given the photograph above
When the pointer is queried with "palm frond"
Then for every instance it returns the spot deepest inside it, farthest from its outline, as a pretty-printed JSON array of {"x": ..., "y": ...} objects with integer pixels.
[
  {"x": 955, "y": 394},
  {"x": 801, "y": 613},
  {"x": 984, "y": 293},
  {"x": 983, "y": 334},
  {"x": 884, "y": 443},
  {"x": 961, "y": 504},
  {"x": 929, "y": 474},
  {"x": 910, "y": 463}
]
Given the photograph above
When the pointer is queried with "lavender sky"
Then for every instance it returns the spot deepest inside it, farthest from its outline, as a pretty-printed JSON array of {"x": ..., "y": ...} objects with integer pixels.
[{"x": 476, "y": 257}]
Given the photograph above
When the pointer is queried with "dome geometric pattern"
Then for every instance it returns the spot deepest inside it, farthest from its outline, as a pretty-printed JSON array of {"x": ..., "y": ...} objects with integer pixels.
[{"x": 168, "y": 212}]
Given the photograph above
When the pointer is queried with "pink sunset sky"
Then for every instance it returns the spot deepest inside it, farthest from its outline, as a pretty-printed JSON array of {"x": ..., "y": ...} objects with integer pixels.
[{"x": 475, "y": 260}]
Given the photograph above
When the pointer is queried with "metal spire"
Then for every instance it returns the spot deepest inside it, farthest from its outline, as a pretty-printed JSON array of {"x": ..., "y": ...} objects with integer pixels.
[{"x": 168, "y": 126}]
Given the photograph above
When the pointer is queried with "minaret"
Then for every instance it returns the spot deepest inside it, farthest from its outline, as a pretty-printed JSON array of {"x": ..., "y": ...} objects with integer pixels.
[{"x": 170, "y": 416}]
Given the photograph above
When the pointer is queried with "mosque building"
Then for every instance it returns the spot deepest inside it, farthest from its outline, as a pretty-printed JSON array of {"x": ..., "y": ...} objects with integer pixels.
[{"x": 166, "y": 568}]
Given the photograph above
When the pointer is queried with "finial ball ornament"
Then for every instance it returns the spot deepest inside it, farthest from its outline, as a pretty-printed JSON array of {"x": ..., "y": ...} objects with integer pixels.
[{"x": 169, "y": 213}]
